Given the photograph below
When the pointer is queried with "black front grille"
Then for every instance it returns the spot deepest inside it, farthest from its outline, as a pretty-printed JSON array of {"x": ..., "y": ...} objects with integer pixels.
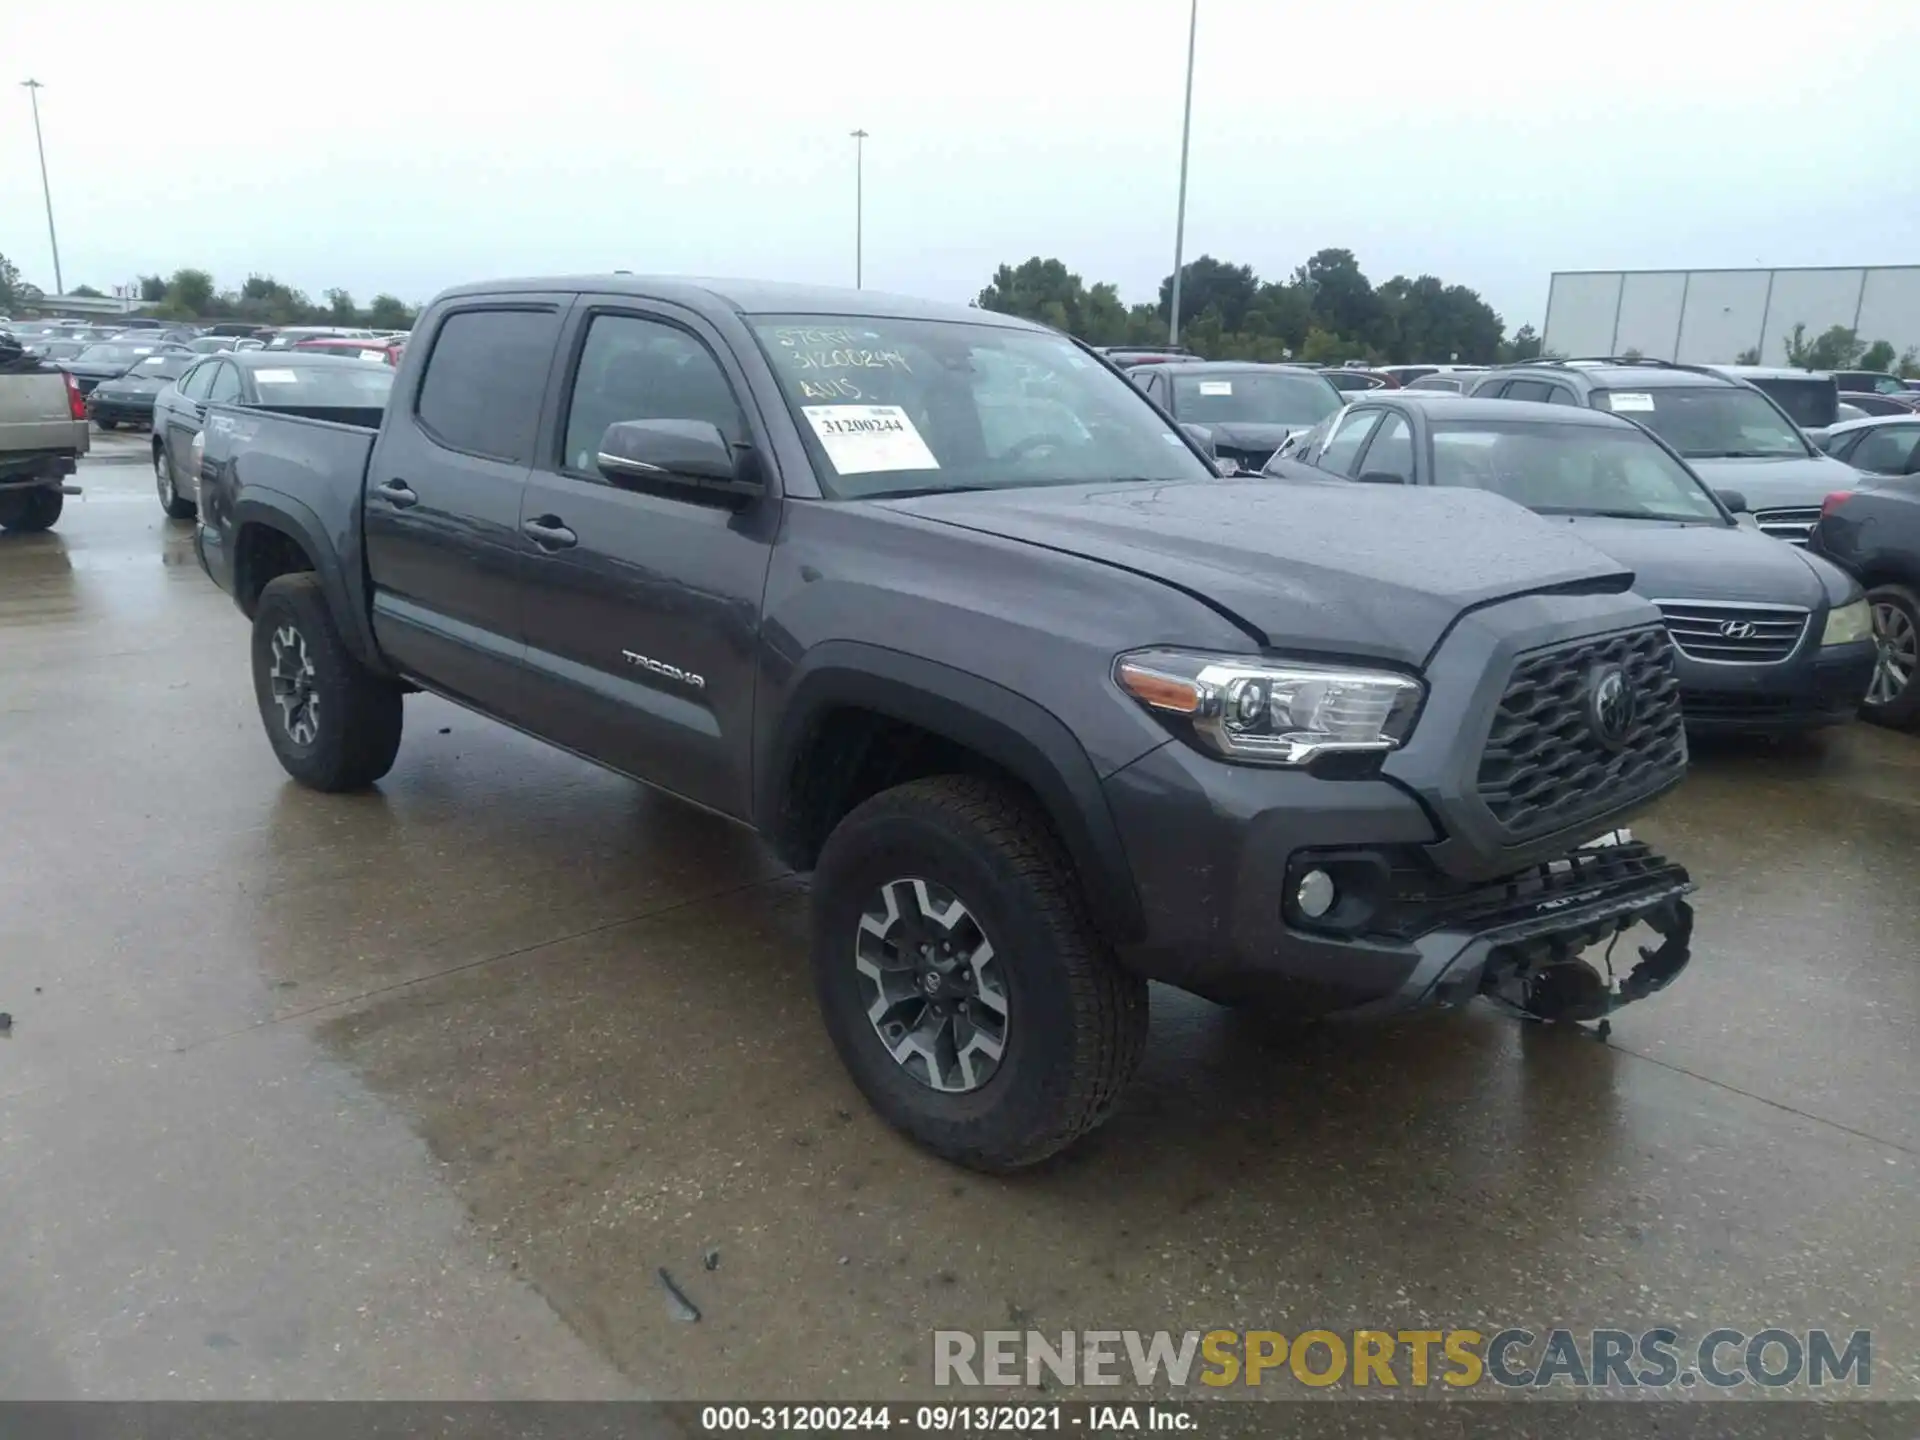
[
  {"x": 1418, "y": 901},
  {"x": 1726, "y": 634},
  {"x": 1545, "y": 765}
]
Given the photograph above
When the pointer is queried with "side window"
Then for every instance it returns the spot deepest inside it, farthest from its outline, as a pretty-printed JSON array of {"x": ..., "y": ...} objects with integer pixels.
[
  {"x": 484, "y": 382},
  {"x": 194, "y": 383},
  {"x": 1561, "y": 395},
  {"x": 226, "y": 384},
  {"x": 1344, "y": 444},
  {"x": 1527, "y": 390},
  {"x": 634, "y": 369},
  {"x": 1886, "y": 451},
  {"x": 1390, "y": 452}
]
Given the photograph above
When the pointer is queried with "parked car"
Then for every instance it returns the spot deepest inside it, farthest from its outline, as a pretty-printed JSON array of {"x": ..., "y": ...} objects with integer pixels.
[
  {"x": 1810, "y": 398},
  {"x": 43, "y": 434},
  {"x": 1351, "y": 381},
  {"x": 1875, "y": 382},
  {"x": 112, "y": 359},
  {"x": 57, "y": 351},
  {"x": 1878, "y": 444},
  {"x": 1046, "y": 715},
  {"x": 1128, "y": 356},
  {"x": 1871, "y": 402},
  {"x": 288, "y": 336},
  {"x": 386, "y": 352},
  {"x": 1406, "y": 375},
  {"x": 1247, "y": 410},
  {"x": 292, "y": 382},
  {"x": 129, "y": 399},
  {"x": 1770, "y": 639},
  {"x": 1450, "y": 382},
  {"x": 1874, "y": 532},
  {"x": 1730, "y": 433}
]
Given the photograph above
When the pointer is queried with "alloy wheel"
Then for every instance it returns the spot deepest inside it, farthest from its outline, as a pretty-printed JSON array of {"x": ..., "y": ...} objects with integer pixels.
[
  {"x": 293, "y": 686},
  {"x": 934, "y": 989},
  {"x": 1899, "y": 653},
  {"x": 163, "y": 479}
]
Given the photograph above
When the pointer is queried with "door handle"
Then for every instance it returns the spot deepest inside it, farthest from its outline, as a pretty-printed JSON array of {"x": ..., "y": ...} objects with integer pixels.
[
  {"x": 398, "y": 494},
  {"x": 549, "y": 533}
]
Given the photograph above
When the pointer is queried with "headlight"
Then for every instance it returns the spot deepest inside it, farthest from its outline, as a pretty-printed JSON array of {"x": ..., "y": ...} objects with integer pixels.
[
  {"x": 1848, "y": 624},
  {"x": 1272, "y": 712}
]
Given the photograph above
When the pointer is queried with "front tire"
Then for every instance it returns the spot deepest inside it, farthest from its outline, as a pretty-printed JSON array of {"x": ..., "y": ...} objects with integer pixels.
[
  {"x": 26, "y": 512},
  {"x": 1894, "y": 696},
  {"x": 171, "y": 501},
  {"x": 961, "y": 976},
  {"x": 108, "y": 424},
  {"x": 333, "y": 724}
]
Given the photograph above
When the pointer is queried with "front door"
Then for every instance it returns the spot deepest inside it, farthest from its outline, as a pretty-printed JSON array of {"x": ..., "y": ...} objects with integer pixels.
[
  {"x": 642, "y": 605},
  {"x": 444, "y": 486},
  {"x": 182, "y": 421}
]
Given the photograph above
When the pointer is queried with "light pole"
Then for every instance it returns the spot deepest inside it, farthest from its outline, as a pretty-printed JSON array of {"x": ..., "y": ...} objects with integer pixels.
[
  {"x": 1180, "y": 216},
  {"x": 33, "y": 94},
  {"x": 859, "y": 200}
]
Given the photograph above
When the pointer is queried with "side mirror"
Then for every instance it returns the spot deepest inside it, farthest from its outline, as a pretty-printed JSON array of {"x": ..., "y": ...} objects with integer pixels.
[
  {"x": 1733, "y": 500},
  {"x": 1382, "y": 477},
  {"x": 691, "y": 454}
]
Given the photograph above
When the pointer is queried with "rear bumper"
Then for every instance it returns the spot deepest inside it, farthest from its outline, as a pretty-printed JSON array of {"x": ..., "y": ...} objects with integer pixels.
[
  {"x": 1820, "y": 687},
  {"x": 121, "y": 412}
]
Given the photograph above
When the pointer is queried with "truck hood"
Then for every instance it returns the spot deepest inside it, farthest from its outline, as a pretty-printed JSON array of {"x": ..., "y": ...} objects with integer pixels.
[
  {"x": 1672, "y": 561},
  {"x": 1309, "y": 567},
  {"x": 1771, "y": 484}
]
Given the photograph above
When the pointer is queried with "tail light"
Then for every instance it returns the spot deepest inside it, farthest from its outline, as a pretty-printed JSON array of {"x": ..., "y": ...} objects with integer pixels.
[
  {"x": 1834, "y": 501},
  {"x": 76, "y": 402}
]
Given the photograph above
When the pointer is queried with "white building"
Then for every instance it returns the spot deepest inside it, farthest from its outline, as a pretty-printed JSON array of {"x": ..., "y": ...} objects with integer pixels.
[{"x": 1713, "y": 316}]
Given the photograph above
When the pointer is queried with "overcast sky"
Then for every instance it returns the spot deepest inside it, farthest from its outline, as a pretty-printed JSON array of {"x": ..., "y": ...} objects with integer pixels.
[{"x": 403, "y": 146}]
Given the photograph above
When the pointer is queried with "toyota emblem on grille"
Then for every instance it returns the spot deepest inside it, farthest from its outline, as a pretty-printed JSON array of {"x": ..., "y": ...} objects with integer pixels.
[
  {"x": 1610, "y": 706},
  {"x": 1737, "y": 629}
]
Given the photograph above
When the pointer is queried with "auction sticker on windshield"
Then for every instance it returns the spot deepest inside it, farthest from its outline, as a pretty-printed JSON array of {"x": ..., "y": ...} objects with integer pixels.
[
  {"x": 275, "y": 377},
  {"x": 1631, "y": 400},
  {"x": 1216, "y": 387},
  {"x": 860, "y": 439}
]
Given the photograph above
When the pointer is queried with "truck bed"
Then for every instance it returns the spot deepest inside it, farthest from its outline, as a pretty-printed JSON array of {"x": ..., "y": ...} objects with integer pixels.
[{"x": 38, "y": 434}]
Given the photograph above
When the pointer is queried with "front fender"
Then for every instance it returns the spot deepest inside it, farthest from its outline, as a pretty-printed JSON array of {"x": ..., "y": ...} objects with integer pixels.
[{"x": 1004, "y": 727}]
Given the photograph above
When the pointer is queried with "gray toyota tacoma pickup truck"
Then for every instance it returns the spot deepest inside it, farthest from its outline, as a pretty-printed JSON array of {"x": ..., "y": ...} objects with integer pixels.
[{"x": 961, "y": 623}]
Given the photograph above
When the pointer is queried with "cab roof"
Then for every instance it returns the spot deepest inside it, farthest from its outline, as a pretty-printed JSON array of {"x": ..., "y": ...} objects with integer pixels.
[
  {"x": 1444, "y": 404},
  {"x": 750, "y": 297}
]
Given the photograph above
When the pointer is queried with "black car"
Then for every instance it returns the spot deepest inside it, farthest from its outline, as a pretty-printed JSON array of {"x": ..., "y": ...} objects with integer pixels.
[
  {"x": 1875, "y": 382},
  {"x": 1879, "y": 444},
  {"x": 290, "y": 382},
  {"x": 1874, "y": 532},
  {"x": 1769, "y": 639},
  {"x": 129, "y": 399},
  {"x": 1248, "y": 410},
  {"x": 1870, "y": 402},
  {"x": 1128, "y": 356},
  {"x": 111, "y": 359}
]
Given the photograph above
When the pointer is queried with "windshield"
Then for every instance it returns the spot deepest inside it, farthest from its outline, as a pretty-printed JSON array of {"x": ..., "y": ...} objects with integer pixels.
[
  {"x": 895, "y": 406},
  {"x": 161, "y": 367},
  {"x": 1570, "y": 470},
  {"x": 113, "y": 354},
  {"x": 1709, "y": 423},
  {"x": 333, "y": 384},
  {"x": 1254, "y": 397}
]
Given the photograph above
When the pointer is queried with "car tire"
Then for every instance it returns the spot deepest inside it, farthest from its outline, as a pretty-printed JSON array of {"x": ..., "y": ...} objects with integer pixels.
[
  {"x": 334, "y": 724},
  {"x": 108, "y": 424},
  {"x": 25, "y": 512},
  {"x": 1894, "y": 698},
  {"x": 1071, "y": 1023},
  {"x": 171, "y": 501}
]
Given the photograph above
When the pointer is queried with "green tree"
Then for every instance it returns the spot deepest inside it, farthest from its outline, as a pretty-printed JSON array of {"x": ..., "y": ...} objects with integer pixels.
[
  {"x": 153, "y": 289},
  {"x": 10, "y": 287},
  {"x": 1341, "y": 298},
  {"x": 1210, "y": 284},
  {"x": 1909, "y": 363},
  {"x": 89, "y": 292},
  {"x": 1837, "y": 348},
  {"x": 340, "y": 308},
  {"x": 1749, "y": 356},
  {"x": 1036, "y": 289},
  {"x": 191, "y": 290},
  {"x": 1525, "y": 345},
  {"x": 388, "y": 312},
  {"x": 1877, "y": 356}
]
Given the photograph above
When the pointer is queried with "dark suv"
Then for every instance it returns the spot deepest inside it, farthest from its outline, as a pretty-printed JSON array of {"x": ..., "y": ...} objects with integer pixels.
[
  {"x": 946, "y": 610},
  {"x": 1734, "y": 435}
]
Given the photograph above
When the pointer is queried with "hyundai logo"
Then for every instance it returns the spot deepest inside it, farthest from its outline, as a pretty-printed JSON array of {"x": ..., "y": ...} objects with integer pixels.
[
  {"x": 1610, "y": 706},
  {"x": 1737, "y": 629}
]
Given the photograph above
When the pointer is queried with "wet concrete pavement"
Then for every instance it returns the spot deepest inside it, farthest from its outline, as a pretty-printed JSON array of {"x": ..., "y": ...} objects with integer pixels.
[{"x": 410, "y": 1093}]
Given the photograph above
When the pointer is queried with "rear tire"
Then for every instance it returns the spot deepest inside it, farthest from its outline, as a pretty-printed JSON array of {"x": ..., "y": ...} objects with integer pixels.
[
  {"x": 25, "y": 512},
  {"x": 171, "y": 501},
  {"x": 1064, "y": 1024},
  {"x": 333, "y": 724},
  {"x": 1894, "y": 698},
  {"x": 108, "y": 424}
]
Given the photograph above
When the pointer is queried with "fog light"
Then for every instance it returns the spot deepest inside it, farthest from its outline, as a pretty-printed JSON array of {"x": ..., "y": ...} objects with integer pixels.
[{"x": 1315, "y": 895}]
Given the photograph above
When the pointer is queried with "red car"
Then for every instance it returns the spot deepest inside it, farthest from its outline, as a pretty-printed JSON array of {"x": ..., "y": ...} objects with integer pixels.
[{"x": 376, "y": 348}]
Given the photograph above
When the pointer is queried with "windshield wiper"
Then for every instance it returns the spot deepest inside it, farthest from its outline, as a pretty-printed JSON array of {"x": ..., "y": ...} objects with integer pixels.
[
  {"x": 1738, "y": 454},
  {"x": 1618, "y": 514}
]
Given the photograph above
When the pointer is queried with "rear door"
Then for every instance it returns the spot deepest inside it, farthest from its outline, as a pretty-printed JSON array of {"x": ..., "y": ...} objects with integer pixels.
[
  {"x": 442, "y": 503},
  {"x": 643, "y": 603}
]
